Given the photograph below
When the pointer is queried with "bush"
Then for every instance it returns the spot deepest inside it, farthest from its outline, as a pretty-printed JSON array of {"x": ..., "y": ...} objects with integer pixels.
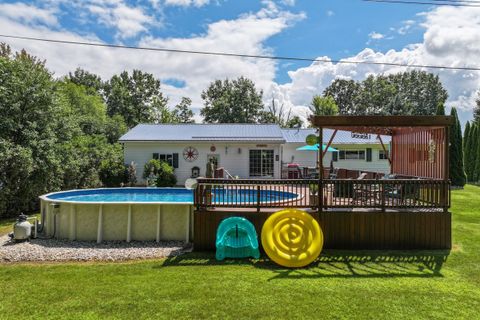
[
  {"x": 112, "y": 173},
  {"x": 161, "y": 172}
]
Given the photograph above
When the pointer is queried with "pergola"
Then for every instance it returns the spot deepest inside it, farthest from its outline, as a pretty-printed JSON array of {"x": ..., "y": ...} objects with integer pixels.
[{"x": 419, "y": 147}]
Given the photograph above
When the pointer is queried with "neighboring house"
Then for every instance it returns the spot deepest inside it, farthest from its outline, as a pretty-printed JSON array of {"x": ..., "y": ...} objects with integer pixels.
[{"x": 244, "y": 150}]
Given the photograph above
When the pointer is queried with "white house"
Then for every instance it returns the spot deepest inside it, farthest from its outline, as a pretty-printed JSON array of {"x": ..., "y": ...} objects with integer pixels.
[{"x": 245, "y": 150}]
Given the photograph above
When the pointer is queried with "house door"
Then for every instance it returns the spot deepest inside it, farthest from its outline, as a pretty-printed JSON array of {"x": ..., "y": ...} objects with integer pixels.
[{"x": 261, "y": 163}]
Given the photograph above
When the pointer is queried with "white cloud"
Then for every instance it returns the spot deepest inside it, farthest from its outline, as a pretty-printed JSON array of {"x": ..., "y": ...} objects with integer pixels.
[
  {"x": 330, "y": 13},
  {"x": 288, "y": 2},
  {"x": 28, "y": 14},
  {"x": 452, "y": 38},
  {"x": 187, "y": 3},
  {"x": 376, "y": 36},
  {"x": 246, "y": 34},
  {"x": 129, "y": 21}
]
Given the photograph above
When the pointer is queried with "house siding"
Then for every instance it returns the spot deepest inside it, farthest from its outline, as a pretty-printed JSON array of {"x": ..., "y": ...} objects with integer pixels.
[
  {"x": 237, "y": 164},
  {"x": 308, "y": 158}
]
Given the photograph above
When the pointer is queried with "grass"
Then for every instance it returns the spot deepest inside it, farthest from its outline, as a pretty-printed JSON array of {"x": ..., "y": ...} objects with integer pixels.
[{"x": 342, "y": 285}]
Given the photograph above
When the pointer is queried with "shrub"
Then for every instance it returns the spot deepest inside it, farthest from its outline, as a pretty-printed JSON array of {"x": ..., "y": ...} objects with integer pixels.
[
  {"x": 161, "y": 172},
  {"x": 132, "y": 174},
  {"x": 113, "y": 173},
  {"x": 165, "y": 176}
]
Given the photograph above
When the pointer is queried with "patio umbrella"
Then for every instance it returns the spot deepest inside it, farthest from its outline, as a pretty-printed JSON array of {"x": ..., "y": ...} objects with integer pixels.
[{"x": 315, "y": 148}]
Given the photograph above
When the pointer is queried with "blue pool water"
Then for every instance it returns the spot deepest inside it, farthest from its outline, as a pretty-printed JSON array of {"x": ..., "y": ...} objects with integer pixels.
[{"x": 167, "y": 195}]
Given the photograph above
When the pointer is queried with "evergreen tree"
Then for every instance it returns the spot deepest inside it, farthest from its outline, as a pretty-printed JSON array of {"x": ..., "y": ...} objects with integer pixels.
[
  {"x": 473, "y": 144},
  {"x": 476, "y": 110},
  {"x": 476, "y": 163},
  {"x": 457, "y": 173},
  {"x": 466, "y": 150},
  {"x": 440, "y": 109}
]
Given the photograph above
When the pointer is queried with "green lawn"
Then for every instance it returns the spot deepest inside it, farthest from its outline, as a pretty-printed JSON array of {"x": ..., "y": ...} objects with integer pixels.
[{"x": 342, "y": 285}]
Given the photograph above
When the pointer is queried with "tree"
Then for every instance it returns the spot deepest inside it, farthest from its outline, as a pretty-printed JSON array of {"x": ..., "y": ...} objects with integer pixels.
[
  {"x": 476, "y": 110},
  {"x": 472, "y": 160},
  {"x": 376, "y": 95},
  {"x": 294, "y": 122},
  {"x": 92, "y": 82},
  {"x": 344, "y": 92},
  {"x": 441, "y": 110},
  {"x": 422, "y": 92},
  {"x": 236, "y": 101},
  {"x": 476, "y": 158},
  {"x": 182, "y": 112},
  {"x": 90, "y": 112},
  {"x": 406, "y": 93},
  {"x": 32, "y": 127},
  {"x": 466, "y": 149},
  {"x": 82, "y": 160},
  {"x": 137, "y": 98},
  {"x": 323, "y": 106},
  {"x": 276, "y": 114},
  {"x": 457, "y": 172}
]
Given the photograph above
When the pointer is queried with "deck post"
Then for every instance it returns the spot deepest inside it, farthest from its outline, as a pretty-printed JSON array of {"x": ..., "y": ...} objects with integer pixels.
[
  {"x": 446, "y": 176},
  {"x": 320, "y": 169},
  {"x": 258, "y": 198}
]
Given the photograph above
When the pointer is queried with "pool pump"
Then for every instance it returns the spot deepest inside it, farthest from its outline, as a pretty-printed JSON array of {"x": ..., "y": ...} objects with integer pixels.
[{"x": 22, "y": 229}]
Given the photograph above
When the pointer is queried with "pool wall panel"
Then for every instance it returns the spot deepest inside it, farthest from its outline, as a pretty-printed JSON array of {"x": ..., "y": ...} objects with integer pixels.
[
  {"x": 144, "y": 222},
  {"x": 87, "y": 221},
  {"x": 80, "y": 221},
  {"x": 115, "y": 221}
]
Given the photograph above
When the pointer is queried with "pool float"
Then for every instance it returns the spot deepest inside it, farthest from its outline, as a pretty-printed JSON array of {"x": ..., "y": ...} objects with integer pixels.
[
  {"x": 236, "y": 238},
  {"x": 292, "y": 238}
]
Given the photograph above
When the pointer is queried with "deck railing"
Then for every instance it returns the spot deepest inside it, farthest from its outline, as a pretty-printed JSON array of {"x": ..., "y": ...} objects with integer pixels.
[
  {"x": 386, "y": 194},
  {"x": 336, "y": 194},
  {"x": 254, "y": 193}
]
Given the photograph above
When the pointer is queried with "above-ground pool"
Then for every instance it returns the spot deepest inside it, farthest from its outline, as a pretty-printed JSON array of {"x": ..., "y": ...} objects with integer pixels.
[
  {"x": 167, "y": 195},
  {"x": 135, "y": 213}
]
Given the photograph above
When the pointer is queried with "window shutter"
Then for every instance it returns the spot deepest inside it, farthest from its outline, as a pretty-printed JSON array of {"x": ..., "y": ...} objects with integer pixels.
[
  {"x": 335, "y": 156},
  {"x": 155, "y": 156},
  {"x": 175, "y": 160},
  {"x": 369, "y": 154}
]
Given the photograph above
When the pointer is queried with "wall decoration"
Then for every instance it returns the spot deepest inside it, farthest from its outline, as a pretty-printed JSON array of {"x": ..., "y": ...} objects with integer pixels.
[
  {"x": 190, "y": 154},
  {"x": 431, "y": 151}
]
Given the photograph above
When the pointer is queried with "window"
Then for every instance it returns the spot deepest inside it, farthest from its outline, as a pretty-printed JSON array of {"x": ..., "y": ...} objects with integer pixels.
[
  {"x": 170, "y": 158},
  {"x": 351, "y": 155},
  {"x": 382, "y": 155},
  {"x": 261, "y": 163}
]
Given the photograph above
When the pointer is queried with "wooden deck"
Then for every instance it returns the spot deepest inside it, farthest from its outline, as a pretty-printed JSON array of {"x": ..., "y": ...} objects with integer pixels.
[{"x": 342, "y": 229}]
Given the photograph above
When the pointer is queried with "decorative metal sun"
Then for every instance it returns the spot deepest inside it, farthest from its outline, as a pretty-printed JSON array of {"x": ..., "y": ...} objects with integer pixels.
[{"x": 190, "y": 154}]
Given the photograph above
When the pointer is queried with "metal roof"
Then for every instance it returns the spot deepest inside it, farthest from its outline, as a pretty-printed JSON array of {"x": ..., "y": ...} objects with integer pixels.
[
  {"x": 342, "y": 137},
  {"x": 205, "y": 132},
  {"x": 239, "y": 132}
]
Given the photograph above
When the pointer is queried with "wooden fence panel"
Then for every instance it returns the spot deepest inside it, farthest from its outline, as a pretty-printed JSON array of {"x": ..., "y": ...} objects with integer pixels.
[{"x": 348, "y": 230}]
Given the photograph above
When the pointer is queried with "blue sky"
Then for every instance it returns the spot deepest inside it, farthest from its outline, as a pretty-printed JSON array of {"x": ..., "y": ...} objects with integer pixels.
[{"x": 342, "y": 29}]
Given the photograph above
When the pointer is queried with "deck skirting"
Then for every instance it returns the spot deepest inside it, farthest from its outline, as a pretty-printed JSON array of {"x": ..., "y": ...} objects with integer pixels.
[{"x": 395, "y": 230}]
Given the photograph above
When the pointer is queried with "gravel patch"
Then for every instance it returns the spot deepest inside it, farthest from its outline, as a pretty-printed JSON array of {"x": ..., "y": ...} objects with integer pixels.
[{"x": 64, "y": 250}]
